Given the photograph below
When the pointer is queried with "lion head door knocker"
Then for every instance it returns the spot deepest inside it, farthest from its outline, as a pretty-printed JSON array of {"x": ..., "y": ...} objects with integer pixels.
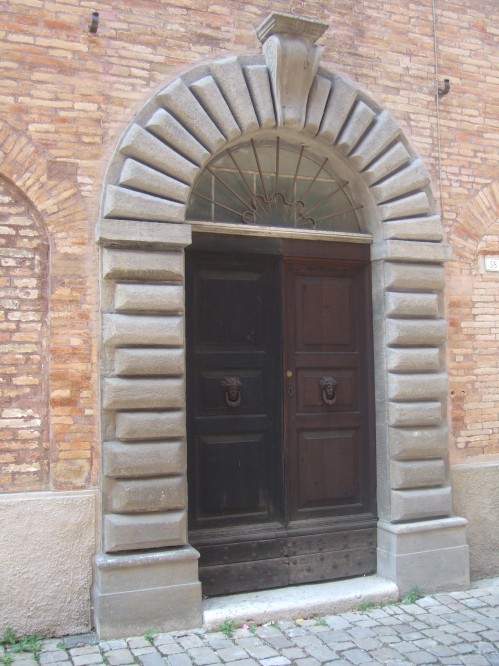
[
  {"x": 328, "y": 389},
  {"x": 232, "y": 391}
]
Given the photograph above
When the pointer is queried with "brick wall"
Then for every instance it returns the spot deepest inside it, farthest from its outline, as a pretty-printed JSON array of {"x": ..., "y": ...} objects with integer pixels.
[
  {"x": 67, "y": 97},
  {"x": 23, "y": 334}
]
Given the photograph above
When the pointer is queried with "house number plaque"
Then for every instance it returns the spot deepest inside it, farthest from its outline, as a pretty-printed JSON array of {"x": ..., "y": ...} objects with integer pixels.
[{"x": 491, "y": 263}]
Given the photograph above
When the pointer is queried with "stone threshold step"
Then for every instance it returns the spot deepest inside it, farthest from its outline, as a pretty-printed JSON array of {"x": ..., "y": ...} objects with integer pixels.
[{"x": 301, "y": 601}]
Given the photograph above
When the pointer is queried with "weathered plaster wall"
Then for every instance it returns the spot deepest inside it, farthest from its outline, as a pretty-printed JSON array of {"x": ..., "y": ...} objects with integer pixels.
[
  {"x": 476, "y": 497},
  {"x": 46, "y": 549}
]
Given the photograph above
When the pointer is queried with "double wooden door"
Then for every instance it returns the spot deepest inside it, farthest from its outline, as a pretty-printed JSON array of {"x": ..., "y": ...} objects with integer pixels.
[{"x": 280, "y": 437}]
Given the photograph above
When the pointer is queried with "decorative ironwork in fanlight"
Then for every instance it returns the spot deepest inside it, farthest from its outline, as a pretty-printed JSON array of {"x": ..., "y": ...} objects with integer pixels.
[{"x": 273, "y": 183}]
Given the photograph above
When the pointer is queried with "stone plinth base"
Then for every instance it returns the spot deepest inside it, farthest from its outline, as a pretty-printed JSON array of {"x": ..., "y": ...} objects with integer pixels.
[
  {"x": 137, "y": 593},
  {"x": 431, "y": 555}
]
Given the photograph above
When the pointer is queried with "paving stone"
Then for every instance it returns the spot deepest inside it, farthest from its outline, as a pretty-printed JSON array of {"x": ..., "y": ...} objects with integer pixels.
[
  {"x": 320, "y": 652},
  {"x": 441, "y": 651},
  {"x": 191, "y": 641},
  {"x": 84, "y": 650},
  {"x": 119, "y": 657},
  {"x": 279, "y": 641},
  {"x": 366, "y": 643},
  {"x": 309, "y": 661},
  {"x": 242, "y": 662},
  {"x": 463, "y": 648},
  {"x": 170, "y": 648},
  {"x": 475, "y": 660},
  {"x": 337, "y": 622},
  {"x": 203, "y": 656},
  {"x": 139, "y": 652},
  {"x": 421, "y": 657},
  {"x": 151, "y": 659},
  {"x": 105, "y": 646},
  {"x": 385, "y": 654},
  {"x": 357, "y": 656},
  {"x": 294, "y": 653},
  {"x": 53, "y": 657},
  {"x": 262, "y": 651},
  {"x": 179, "y": 660},
  {"x": 87, "y": 659},
  {"x": 275, "y": 661},
  {"x": 232, "y": 654},
  {"x": 493, "y": 658},
  {"x": 474, "y": 603}
]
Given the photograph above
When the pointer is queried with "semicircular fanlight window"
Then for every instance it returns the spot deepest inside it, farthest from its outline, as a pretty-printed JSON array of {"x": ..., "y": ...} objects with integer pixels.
[{"x": 272, "y": 183}]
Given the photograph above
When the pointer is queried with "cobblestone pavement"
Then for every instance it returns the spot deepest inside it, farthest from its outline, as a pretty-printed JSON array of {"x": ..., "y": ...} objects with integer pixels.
[{"x": 453, "y": 628}]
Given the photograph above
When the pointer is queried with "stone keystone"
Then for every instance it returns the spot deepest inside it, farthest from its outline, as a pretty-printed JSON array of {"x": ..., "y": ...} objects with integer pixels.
[{"x": 292, "y": 60}]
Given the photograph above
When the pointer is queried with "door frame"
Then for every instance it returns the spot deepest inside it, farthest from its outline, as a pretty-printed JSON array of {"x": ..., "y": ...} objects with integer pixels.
[{"x": 142, "y": 232}]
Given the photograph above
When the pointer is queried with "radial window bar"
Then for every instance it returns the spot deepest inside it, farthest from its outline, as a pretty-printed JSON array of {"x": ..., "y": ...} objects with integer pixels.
[{"x": 272, "y": 183}]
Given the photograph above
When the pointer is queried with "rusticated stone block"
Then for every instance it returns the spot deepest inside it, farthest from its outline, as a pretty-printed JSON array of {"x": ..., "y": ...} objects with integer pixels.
[
  {"x": 229, "y": 76},
  {"x": 426, "y": 359},
  {"x": 141, "y": 265},
  {"x": 381, "y": 134},
  {"x": 412, "y": 204},
  {"x": 142, "y": 330},
  {"x": 179, "y": 100},
  {"x": 138, "y": 233},
  {"x": 417, "y": 387},
  {"x": 153, "y": 361},
  {"x": 412, "y": 177},
  {"x": 421, "y": 504},
  {"x": 411, "y": 305},
  {"x": 392, "y": 159},
  {"x": 207, "y": 91},
  {"x": 166, "y": 493},
  {"x": 414, "y": 278},
  {"x": 149, "y": 530},
  {"x": 418, "y": 443},
  {"x": 148, "y": 149},
  {"x": 421, "y": 228},
  {"x": 144, "y": 459},
  {"x": 140, "y": 177},
  {"x": 417, "y": 474},
  {"x": 416, "y": 331},
  {"x": 149, "y": 297},
  {"x": 143, "y": 393},
  {"x": 120, "y": 202},
  {"x": 415, "y": 413},
  {"x": 123, "y": 572},
  {"x": 257, "y": 77},
  {"x": 150, "y": 425},
  {"x": 360, "y": 119}
]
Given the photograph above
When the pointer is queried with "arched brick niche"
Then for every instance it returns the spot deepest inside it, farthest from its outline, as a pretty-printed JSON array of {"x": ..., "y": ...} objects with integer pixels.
[
  {"x": 143, "y": 232},
  {"x": 24, "y": 314}
]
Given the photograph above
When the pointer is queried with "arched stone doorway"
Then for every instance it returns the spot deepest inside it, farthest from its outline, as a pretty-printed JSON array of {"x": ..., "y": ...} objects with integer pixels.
[{"x": 147, "y": 562}]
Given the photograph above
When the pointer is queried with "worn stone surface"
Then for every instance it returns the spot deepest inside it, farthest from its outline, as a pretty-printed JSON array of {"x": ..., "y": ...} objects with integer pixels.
[
  {"x": 146, "y": 530},
  {"x": 47, "y": 545},
  {"x": 476, "y": 497},
  {"x": 143, "y": 459},
  {"x": 432, "y": 629}
]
